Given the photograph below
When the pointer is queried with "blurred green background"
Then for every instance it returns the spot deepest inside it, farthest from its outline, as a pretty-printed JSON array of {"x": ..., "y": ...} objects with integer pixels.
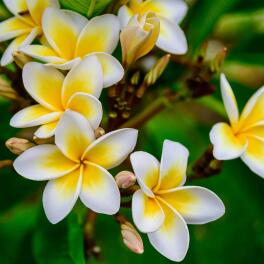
[{"x": 27, "y": 237}]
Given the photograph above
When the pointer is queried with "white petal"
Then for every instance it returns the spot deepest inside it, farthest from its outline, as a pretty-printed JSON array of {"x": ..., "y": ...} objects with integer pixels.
[
  {"x": 197, "y": 205},
  {"x": 47, "y": 130},
  {"x": 73, "y": 135},
  {"x": 171, "y": 39},
  {"x": 147, "y": 213},
  {"x": 146, "y": 169},
  {"x": 43, "y": 162},
  {"x": 99, "y": 190},
  {"x": 124, "y": 15},
  {"x": 65, "y": 66},
  {"x": 113, "y": 148},
  {"x": 16, "y": 6},
  {"x": 60, "y": 195}
]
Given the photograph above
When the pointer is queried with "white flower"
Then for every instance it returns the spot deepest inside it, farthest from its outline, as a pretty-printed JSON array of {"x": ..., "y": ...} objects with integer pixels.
[
  {"x": 163, "y": 207},
  {"x": 77, "y": 167},
  {"x": 170, "y": 13},
  {"x": 244, "y": 137}
]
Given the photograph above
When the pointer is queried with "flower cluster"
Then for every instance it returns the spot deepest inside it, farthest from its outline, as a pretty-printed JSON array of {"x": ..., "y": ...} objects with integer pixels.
[{"x": 74, "y": 64}]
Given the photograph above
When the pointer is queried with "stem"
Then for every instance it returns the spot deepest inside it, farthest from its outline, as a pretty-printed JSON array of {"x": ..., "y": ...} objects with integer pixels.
[
  {"x": 91, "y": 8},
  {"x": 6, "y": 163}
]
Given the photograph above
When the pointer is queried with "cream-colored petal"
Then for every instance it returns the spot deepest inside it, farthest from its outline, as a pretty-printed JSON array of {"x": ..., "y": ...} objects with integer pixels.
[
  {"x": 87, "y": 77},
  {"x": 99, "y": 190},
  {"x": 172, "y": 238},
  {"x": 13, "y": 27},
  {"x": 101, "y": 34},
  {"x": 174, "y": 10},
  {"x": 16, "y": 44},
  {"x": 124, "y": 15},
  {"x": 226, "y": 144},
  {"x": 197, "y": 205},
  {"x": 44, "y": 84},
  {"x": 171, "y": 38},
  {"x": 87, "y": 105},
  {"x": 147, "y": 213},
  {"x": 113, "y": 71},
  {"x": 43, "y": 162},
  {"x": 254, "y": 155},
  {"x": 173, "y": 165},
  {"x": 146, "y": 169},
  {"x": 229, "y": 101},
  {"x": 47, "y": 130},
  {"x": 60, "y": 195},
  {"x": 34, "y": 115},
  {"x": 16, "y": 6},
  {"x": 73, "y": 134},
  {"x": 42, "y": 53},
  {"x": 62, "y": 28},
  {"x": 37, "y": 7},
  {"x": 65, "y": 65},
  {"x": 113, "y": 148}
]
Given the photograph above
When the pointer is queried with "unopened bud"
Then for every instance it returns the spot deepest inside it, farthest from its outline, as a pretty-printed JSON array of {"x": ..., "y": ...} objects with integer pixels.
[
  {"x": 41, "y": 141},
  {"x": 135, "y": 78},
  {"x": 125, "y": 179},
  {"x": 99, "y": 132},
  {"x": 132, "y": 238},
  {"x": 18, "y": 145},
  {"x": 21, "y": 58},
  {"x": 6, "y": 90}
]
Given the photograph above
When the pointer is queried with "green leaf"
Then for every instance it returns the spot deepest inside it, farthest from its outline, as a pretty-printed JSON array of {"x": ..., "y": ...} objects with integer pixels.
[
  {"x": 59, "y": 244},
  {"x": 82, "y": 6}
]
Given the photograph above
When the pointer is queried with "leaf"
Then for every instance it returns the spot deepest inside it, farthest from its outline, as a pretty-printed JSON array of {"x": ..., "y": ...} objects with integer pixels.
[
  {"x": 82, "y": 6},
  {"x": 59, "y": 244}
]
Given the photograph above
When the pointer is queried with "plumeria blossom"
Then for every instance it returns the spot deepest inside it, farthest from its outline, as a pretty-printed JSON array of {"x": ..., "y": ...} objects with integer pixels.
[
  {"x": 25, "y": 26},
  {"x": 77, "y": 167},
  {"x": 244, "y": 136},
  {"x": 170, "y": 13},
  {"x": 163, "y": 206},
  {"x": 71, "y": 37},
  {"x": 56, "y": 93}
]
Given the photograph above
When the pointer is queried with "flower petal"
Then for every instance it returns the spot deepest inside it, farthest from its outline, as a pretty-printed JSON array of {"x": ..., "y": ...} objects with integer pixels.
[
  {"x": 146, "y": 169},
  {"x": 87, "y": 105},
  {"x": 174, "y": 10},
  {"x": 254, "y": 155},
  {"x": 171, "y": 39},
  {"x": 62, "y": 27},
  {"x": 147, "y": 213},
  {"x": 173, "y": 165},
  {"x": 124, "y": 15},
  {"x": 65, "y": 65},
  {"x": 229, "y": 101},
  {"x": 196, "y": 205},
  {"x": 172, "y": 238},
  {"x": 85, "y": 77},
  {"x": 113, "y": 148},
  {"x": 99, "y": 190},
  {"x": 101, "y": 34},
  {"x": 226, "y": 145},
  {"x": 16, "y": 6},
  {"x": 73, "y": 134},
  {"x": 44, "y": 84},
  {"x": 43, "y": 162},
  {"x": 60, "y": 195},
  {"x": 113, "y": 71},
  {"x": 37, "y": 7},
  {"x": 13, "y": 27},
  {"x": 47, "y": 130},
  {"x": 34, "y": 115}
]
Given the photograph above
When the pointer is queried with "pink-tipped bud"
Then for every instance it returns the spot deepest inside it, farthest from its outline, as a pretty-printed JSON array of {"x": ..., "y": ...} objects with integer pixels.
[
  {"x": 125, "y": 179},
  {"x": 18, "y": 145},
  {"x": 132, "y": 238}
]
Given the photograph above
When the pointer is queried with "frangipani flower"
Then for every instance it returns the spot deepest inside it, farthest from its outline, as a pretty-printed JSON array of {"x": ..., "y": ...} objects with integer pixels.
[
  {"x": 170, "y": 13},
  {"x": 244, "y": 136},
  {"x": 139, "y": 37},
  {"x": 56, "y": 93},
  {"x": 162, "y": 207},
  {"x": 25, "y": 26},
  {"x": 71, "y": 37},
  {"x": 77, "y": 167}
]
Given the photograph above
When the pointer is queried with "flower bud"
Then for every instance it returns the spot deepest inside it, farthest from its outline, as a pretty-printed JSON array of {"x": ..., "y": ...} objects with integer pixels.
[
  {"x": 41, "y": 141},
  {"x": 6, "y": 90},
  {"x": 125, "y": 179},
  {"x": 132, "y": 238},
  {"x": 139, "y": 37},
  {"x": 21, "y": 59},
  {"x": 18, "y": 145},
  {"x": 99, "y": 132}
]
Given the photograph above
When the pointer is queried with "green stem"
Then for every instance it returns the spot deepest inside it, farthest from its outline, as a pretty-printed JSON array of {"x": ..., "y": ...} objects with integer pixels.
[{"x": 91, "y": 8}]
